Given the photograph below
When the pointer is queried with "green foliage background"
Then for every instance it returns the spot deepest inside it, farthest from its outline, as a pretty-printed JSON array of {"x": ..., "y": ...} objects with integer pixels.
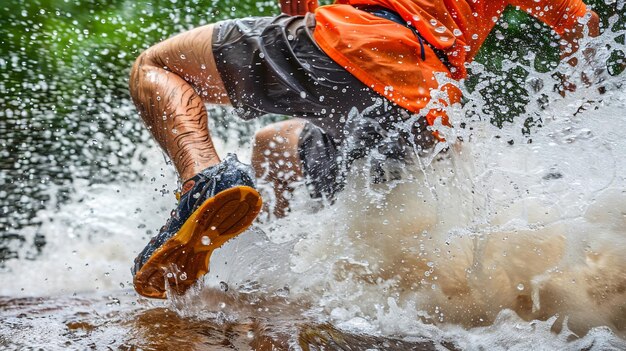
[{"x": 64, "y": 106}]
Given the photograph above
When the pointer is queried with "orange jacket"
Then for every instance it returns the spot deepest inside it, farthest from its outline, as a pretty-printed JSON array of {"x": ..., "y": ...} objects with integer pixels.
[{"x": 386, "y": 56}]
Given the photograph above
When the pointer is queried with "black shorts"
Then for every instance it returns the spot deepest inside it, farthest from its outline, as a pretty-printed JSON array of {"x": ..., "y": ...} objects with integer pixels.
[{"x": 273, "y": 65}]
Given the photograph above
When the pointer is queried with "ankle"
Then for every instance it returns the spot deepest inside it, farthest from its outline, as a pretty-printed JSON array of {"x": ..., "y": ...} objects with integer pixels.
[
  {"x": 199, "y": 164},
  {"x": 187, "y": 185}
]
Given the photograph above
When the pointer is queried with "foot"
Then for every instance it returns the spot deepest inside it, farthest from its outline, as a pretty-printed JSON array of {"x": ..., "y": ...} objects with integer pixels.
[{"x": 220, "y": 204}]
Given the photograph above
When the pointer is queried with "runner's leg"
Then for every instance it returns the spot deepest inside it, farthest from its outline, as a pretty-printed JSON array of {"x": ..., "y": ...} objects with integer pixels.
[
  {"x": 169, "y": 83},
  {"x": 275, "y": 159}
]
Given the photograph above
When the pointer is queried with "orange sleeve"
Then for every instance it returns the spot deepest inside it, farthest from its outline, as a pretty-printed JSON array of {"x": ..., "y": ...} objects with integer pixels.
[{"x": 558, "y": 14}]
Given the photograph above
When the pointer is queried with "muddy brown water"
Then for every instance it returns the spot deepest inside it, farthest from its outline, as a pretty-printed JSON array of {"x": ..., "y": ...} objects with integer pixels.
[{"x": 128, "y": 323}]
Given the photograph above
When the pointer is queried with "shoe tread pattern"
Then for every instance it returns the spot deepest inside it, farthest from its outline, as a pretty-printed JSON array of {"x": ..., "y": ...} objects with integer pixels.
[{"x": 219, "y": 218}]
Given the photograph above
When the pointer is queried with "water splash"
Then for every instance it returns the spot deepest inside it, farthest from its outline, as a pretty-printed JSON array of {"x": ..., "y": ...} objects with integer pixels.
[{"x": 499, "y": 211}]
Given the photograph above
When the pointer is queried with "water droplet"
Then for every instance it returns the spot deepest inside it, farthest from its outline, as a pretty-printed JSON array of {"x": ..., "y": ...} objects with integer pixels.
[
  {"x": 457, "y": 32},
  {"x": 223, "y": 286},
  {"x": 261, "y": 55},
  {"x": 122, "y": 285},
  {"x": 213, "y": 227},
  {"x": 206, "y": 241},
  {"x": 202, "y": 66},
  {"x": 520, "y": 286},
  {"x": 183, "y": 276},
  {"x": 182, "y": 57},
  {"x": 433, "y": 22},
  {"x": 283, "y": 292},
  {"x": 440, "y": 29}
]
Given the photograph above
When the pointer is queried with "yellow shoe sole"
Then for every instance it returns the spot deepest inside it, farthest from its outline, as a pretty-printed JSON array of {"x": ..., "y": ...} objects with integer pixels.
[{"x": 184, "y": 258}]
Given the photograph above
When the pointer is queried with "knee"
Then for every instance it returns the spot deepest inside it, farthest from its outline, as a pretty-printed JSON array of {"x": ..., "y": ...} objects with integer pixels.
[
  {"x": 142, "y": 65},
  {"x": 277, "y": 138},
  {"x": 267, "y": 133},
  {"x": 135, "y": 72},
  {"x": 265, "y": 141}
]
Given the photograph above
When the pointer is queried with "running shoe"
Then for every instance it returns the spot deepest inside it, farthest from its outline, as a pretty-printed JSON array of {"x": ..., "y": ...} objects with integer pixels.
[{"x": 220, "y": 204}]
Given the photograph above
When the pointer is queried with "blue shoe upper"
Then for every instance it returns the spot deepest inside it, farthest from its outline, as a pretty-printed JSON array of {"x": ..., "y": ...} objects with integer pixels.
[{"x": 206, "y": 184}]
